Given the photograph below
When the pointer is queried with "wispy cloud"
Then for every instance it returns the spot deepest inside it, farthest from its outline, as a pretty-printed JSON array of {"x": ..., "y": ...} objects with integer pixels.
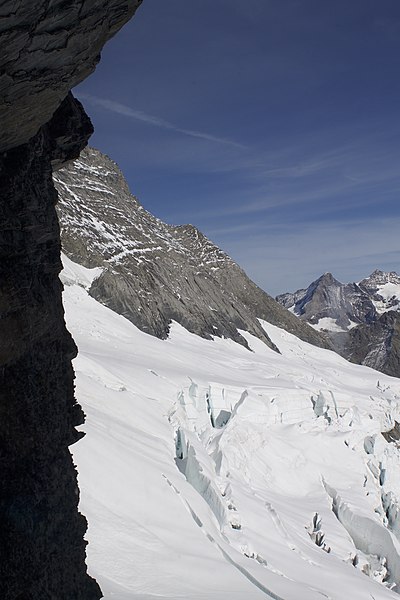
[
  {"x": 315, "y": 195},
  {"x": 127, "y": 111}
]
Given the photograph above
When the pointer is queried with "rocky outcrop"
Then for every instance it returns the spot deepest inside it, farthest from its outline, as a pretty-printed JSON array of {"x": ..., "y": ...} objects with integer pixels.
[
  {"x": 154, "y": 273},
  {"x": 45, "y": 49}
]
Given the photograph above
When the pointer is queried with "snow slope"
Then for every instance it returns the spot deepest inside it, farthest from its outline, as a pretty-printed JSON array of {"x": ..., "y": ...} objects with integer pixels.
[{"x": 212, "y": 472}]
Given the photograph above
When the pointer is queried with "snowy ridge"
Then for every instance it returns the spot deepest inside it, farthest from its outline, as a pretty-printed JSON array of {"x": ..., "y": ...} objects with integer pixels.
[
  {"x": 109, "y": 228},
  {"x": 268, "y": 470}
]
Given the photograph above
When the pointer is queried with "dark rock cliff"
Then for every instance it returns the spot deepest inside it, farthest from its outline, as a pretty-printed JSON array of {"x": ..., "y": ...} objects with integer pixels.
[
  {"x": 154, "y": 272},
  {"x": 46, "y": 47}
]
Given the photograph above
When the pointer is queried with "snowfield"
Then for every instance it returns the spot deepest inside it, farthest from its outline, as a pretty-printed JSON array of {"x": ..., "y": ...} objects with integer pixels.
[{"x": 212, "y": 472}]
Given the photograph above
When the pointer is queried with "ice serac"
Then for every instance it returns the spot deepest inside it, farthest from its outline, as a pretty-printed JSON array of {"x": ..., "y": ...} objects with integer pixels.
[
  {"x": 154, "y": 273},
  {"x": 362, "y": 319},
  {"x": 46, "y": 48}
]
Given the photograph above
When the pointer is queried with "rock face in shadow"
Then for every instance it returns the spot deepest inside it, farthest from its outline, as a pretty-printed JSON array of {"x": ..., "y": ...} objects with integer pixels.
[
  {"x": 41, "y": 529},
  {"x": 45, "y": 49},
  {"x": 154, "y": 272}
]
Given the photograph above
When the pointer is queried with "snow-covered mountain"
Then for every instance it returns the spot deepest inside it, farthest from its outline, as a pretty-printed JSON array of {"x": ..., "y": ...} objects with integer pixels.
[
  {"x": 154, "y": 273},
  {"x": 362, "y": 319},
  {"x": 208, "y": 471},
  {"x": 384, "y": 290}
]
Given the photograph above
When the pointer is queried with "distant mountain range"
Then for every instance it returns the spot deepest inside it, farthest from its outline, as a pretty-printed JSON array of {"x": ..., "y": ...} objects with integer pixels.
[
  {"x": 362, "y": 319},
  {"x": 154, "y": 273}
]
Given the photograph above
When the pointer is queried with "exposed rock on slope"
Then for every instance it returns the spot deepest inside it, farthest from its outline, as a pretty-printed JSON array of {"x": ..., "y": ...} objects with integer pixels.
[
  {"x": 362, "y": 319},
  {"x": 377, "y": 344},
  {"x": 45, "y": 49},
  {"x": 154, "y": 272}
]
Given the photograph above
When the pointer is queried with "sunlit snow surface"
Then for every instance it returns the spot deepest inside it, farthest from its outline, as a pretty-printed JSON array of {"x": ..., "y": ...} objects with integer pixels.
[{"x": 212, "y": 472}]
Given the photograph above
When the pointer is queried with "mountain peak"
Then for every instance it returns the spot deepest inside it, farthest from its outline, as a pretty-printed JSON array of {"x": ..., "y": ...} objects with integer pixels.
[
  {"x": 363, "y": 320},
  {"x": 155, "y": 273},
  {"x": 328, "y": 304},
  {"x": 327, "y": 279}
]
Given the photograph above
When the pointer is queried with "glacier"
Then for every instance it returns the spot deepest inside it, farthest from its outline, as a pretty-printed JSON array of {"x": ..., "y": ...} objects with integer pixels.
[{"x": 210, "y": 471}]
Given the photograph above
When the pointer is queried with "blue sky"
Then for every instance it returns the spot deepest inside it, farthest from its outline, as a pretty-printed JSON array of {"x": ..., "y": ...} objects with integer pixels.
[{"x": 272, "y": 125}]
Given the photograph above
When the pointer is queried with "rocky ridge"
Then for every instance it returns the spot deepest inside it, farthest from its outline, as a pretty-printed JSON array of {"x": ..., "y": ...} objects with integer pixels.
[
  {"x": 154, "y": 273},
  {"x": 362, "y": 319}
]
